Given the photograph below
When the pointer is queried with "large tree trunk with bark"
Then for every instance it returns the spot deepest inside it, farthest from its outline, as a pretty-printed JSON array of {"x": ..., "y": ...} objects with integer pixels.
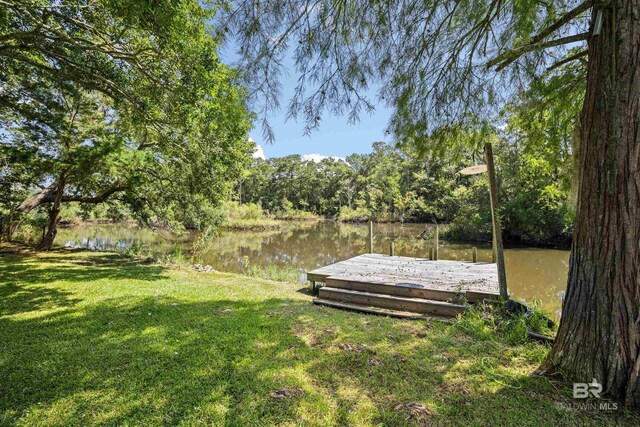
[
  {"x": 599, "y": 335},
  {"x": 54, "y": 215}
]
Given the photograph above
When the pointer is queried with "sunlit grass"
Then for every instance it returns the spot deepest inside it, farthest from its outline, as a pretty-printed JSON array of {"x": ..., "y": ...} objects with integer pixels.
[{"x": 96, "y": 338}]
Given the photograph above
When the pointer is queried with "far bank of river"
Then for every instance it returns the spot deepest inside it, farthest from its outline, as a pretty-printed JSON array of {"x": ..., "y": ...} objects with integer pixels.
[{"x": 532, "y": 273}]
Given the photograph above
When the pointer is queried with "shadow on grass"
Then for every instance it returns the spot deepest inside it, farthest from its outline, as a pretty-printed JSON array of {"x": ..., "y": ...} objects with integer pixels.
[
  {"x": 150, "y": 359},
  {"x": 154, "y": 361},
  {"x": 15, "y": 298},
  {"x": 21, "y": 268}
]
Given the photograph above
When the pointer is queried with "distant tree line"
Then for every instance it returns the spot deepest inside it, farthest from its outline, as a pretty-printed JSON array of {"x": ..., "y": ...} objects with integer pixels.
[{"x": 399, "y": 185}]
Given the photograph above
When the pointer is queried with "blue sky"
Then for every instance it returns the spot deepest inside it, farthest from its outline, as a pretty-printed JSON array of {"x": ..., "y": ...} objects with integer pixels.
[{"x": 335, "y": 137}]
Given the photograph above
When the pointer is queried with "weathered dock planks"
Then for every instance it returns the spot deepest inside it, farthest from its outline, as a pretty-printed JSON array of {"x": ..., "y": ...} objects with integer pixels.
[{"x": 405, "y": 284}]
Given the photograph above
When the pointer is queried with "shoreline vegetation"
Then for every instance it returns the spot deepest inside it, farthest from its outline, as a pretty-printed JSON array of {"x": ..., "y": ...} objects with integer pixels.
[{"x": 208, "y": 347}]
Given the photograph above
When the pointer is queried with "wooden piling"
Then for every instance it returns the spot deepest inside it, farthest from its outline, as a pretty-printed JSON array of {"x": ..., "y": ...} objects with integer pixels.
[
  {"x": 497, "y": 230},
  {"x": 475, "y": 254},
  {"x": 494, "y": 256},
  {"x": 370, "y": 236},
  {"x": 392, "y": 249},
  {"x": 436, "y": 237}
]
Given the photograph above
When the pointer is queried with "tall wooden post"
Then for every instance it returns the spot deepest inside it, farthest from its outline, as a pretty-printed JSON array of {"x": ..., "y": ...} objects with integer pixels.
[
  {"x": 497, "y": 230},
  {"x": 392, "y": 248},
  {"x": 370, "y": 236},
  {"x": 436, "y": 237},
  {"x": 494, "y": 255},
  {"x": 474, "y": 254}
]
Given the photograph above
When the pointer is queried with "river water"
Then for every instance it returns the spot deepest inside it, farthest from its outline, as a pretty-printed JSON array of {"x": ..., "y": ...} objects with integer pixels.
[{"x": 532, "y": 273}]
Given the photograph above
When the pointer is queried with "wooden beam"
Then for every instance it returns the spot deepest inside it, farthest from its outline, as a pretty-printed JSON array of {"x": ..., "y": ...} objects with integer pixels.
[
  {"x": 369, "y": 310},
  {"x": 414, "y": 305},
  {"x": 436, "y": 237},
  {"x": 495, "y": 219}
]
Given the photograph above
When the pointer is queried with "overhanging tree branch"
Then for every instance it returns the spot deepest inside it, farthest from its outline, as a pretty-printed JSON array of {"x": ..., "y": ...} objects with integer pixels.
[
  {"x": 568, "y": 59},
  {"x": 565, "y": 19},
  {"x": 47, "y": 195},
  {"x": 504, "y": 60}
]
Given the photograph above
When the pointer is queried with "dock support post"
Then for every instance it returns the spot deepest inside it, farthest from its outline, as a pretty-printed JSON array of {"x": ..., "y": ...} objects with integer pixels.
[
  {"x": 494, "y": 255},
  {"x": 392, "y": 248},
  {"x": 370, "y": 236},
  {"x": 314, "y": 291},
  {"x": 475, "y": 254},
  {"x": 497, "y": 230},
  {"x": 436, "y": 237}
]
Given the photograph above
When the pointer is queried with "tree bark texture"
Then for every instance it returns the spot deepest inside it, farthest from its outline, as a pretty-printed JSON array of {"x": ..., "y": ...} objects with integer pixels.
[{"x": 599, "y": 334}]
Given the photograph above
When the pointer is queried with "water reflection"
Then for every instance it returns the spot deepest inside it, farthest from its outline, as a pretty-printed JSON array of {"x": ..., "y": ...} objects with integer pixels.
[{"x": 539, "y": 274}]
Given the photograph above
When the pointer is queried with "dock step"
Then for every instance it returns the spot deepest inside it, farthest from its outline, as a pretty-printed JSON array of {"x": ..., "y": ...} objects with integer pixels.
[
  {"x": 408, "y": 290},
  {"x": 369, "y": 299},
  {"x": 367, "y": 309}
]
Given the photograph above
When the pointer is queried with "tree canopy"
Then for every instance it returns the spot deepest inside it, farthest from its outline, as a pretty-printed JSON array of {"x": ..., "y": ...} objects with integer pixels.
[{"x": 122, "y": 101}]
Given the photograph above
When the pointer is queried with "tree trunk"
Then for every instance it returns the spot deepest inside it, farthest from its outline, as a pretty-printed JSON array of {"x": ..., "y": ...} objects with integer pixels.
[
  {"x": 599, "y": 335},
  {"x": 54, "y": 215}
]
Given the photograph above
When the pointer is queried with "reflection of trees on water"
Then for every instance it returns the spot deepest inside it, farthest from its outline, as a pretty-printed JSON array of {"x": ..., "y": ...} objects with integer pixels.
[
  {"x": 313, "y": 245},
  {"x": 531, "y": 273}
]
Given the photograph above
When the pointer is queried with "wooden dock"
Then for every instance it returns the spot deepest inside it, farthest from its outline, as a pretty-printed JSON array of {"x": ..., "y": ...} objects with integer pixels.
[{"x": 404, "y": 286}]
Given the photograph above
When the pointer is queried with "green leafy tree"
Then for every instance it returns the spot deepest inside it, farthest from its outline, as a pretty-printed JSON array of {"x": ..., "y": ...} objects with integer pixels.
[{"x": 162, "y": 128}]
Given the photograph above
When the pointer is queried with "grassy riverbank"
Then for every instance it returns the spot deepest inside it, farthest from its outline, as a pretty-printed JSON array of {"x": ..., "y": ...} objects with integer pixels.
[
  {"x": 250, "y": 216},
  {"x": 100, "y": 338}
]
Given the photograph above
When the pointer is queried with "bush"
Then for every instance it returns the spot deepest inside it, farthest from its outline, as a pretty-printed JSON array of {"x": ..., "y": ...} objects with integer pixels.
[
  {"x": 494, "y": 321},
  {"x": 472, "y": 220},
  {"x": 288, "y": 212},
  {"x": 245, "y": 216},
  {"x": 359, "y": 214}
]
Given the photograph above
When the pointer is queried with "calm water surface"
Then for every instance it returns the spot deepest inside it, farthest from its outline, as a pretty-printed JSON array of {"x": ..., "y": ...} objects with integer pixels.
[{"x": 532, "y": 274}]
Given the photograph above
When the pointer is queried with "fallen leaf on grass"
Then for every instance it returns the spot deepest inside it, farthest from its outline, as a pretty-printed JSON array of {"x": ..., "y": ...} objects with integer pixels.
[
  {"x": 447, "y": 389},
  {"x": 415, "y": 410},
  {"x": 203, "y": 268},
  {"x": 358, "y": 348},
  {"x": 401, "y": 358},
  {"x": 374, "y": 362},
  {"x": 286, "y": 393},
  {"x": 225, "y": 310}
]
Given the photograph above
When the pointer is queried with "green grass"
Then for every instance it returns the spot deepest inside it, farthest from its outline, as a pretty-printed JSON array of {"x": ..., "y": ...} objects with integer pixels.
[{"x": 98, "y": 338}]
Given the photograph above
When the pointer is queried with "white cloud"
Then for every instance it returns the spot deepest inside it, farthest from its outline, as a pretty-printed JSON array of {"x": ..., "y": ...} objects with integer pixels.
[
  {"x": 258, "y": 151},
  {"x": 317, "y": 158}
]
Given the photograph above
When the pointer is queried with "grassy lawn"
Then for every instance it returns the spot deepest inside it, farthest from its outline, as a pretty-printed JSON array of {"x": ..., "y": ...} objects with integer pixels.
[{"x": 98, "y": 338}]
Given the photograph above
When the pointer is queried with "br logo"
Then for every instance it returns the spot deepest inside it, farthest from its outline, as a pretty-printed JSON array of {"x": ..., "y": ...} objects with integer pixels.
[{"x": 582, "y": 390}]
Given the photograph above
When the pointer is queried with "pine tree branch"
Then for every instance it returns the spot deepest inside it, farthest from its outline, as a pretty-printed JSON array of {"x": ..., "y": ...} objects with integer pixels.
[
  {"x": 507, "y": 58},
  {"x": 567, "y": 60},
  {"x": 565, "y": 19}
]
